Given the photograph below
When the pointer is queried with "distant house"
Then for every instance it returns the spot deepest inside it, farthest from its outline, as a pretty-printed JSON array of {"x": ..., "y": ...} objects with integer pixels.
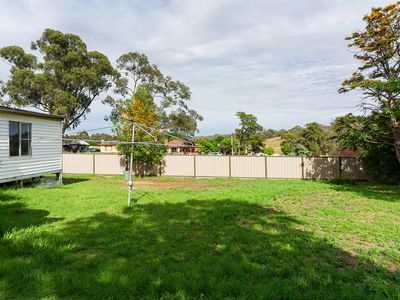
[
  {"x": 30, "y": 144},
  {"x": 108, "y": 147},
  {"x": 76, "y": 146},
  {"x": 348, "y": 153},
  {"x": 176, "y": 146}
]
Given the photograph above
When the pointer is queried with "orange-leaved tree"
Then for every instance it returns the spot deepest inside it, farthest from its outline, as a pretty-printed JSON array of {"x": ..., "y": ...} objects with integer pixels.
[
  {"x": 141, "y": 110},
  {"x": 378, "y": 77}
]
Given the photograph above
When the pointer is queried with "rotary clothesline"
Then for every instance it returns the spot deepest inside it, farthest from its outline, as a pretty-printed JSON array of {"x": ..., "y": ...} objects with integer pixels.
[{"x": 145, "y": 129}]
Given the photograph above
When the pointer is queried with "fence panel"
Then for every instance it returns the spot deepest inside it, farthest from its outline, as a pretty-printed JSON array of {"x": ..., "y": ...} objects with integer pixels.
[
  {"x": 78, "y": 163},
  {"x": 248, "y": 167},
  {"x": 224, "y": 166},
  {"x": 178, "y": 166},
  {"x": 353, "y": 168},
  {"x": 110, "y": 164},
  {"x": 212, "y": 166},
  {"x": 321, "y": 167},
  {"x": 284, "y": 167}
]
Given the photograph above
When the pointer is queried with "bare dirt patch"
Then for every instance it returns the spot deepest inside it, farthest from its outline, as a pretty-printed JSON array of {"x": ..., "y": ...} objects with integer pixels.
[
  {"x": 388, "y": 192},
  {"x": 88, "y": 253},
  {"x": 349, "y": 260},
  {"x": 393, "y": 195},
  {"x": 394, "y": 269},
  {"x": 157, "y": 184}
]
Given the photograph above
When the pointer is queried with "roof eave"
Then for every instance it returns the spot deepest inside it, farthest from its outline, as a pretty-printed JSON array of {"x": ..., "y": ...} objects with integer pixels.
[{"x": 29, "y": 113}]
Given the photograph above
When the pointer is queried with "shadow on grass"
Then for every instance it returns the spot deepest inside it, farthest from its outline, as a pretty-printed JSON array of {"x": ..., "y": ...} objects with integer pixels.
[
  {"x": 370, "y": 190},
  {"x": 328, "y": 169},
  {"x": 16, "y": 216},
  {"x": 72, "y": 180},
  {"x": 7, "y": 197},
  {"x": 211, "y": 249}
]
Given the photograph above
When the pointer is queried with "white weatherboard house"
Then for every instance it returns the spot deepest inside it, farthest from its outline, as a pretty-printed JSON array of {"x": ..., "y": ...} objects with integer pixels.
[{"x": 30, "y": 144}]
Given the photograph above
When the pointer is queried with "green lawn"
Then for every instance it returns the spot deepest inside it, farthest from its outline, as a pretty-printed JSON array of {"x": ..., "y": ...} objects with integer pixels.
[{"x": 200, "y": 239}]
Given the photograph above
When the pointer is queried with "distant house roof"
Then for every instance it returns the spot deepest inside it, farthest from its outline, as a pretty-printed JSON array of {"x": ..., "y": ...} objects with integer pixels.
[
  {"x": 178, "y": 143},
  {"x": 28, "y": 113},
  {"x": 81, "y": 142},
  {"x": 77, "y": 142},
  {"x": 348, "y": 153}
]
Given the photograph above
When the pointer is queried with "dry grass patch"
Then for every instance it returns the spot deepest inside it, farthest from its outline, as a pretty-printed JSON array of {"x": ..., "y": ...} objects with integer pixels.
[{"x": 157, "y": 184}]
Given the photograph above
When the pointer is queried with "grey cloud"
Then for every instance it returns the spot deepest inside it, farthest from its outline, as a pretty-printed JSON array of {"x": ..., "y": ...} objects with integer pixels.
[{"x": 281, "y": 60}]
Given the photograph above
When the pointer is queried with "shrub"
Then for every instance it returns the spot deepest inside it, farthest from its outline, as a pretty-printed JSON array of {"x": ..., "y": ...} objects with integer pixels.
[
  {"x": 269, "y": 150},
  {"x": 381, "y": 164}
]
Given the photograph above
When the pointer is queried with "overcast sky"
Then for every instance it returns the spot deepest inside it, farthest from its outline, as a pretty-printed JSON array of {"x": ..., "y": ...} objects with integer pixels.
[{"x": 282, "y": 61}]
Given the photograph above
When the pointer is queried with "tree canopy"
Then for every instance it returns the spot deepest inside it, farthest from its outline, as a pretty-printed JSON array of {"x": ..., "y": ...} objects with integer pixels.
[
  {"x": 64, "y": 78},
  {"x": 378, "y": 51},
  {"x": 312, "y": 139},
  {"x": 219, "y": 143},
  {"x": 247, "y": 133},
  {"x": 370, "y": 136},
  {"x": 141, "y": 109},
  {"x": 170, "y": 96},
  {"x": 153, "y": 100}
]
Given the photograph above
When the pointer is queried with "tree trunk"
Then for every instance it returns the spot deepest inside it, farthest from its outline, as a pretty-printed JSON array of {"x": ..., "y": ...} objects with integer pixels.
[
  {"x": 396, "y": 136},
  {"x": 64, "y": 127}
]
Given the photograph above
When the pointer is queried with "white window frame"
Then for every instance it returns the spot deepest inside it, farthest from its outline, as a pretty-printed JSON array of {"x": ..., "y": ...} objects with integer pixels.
[{"x": 20, "y": 139}]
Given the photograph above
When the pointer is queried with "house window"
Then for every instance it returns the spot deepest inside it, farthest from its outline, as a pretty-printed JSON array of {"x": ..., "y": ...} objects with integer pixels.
[{"x": 20, "y": 138}]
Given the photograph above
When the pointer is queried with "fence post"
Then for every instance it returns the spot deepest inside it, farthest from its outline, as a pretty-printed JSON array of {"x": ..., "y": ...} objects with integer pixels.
[
  {"x": 302, "y": 167},
  {"x": 266, "y": 166},
  {"x": 94, "y": 164},
  {"x": 340, "y": 167}
]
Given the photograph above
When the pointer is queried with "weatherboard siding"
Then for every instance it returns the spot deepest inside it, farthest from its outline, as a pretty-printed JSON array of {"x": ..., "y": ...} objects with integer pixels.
[{"x": 46, "y": 148}]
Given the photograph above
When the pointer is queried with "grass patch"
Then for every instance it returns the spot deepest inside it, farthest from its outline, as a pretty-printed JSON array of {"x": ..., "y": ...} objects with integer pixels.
[
  {"x": 200, "y": 239},
  {"x": 275, "y": 143}
]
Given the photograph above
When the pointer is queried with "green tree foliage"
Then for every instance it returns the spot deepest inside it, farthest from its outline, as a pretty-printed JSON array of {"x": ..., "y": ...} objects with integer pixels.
[
  {"x": 169, "y": 96},
  {"x": 300, "y": 150},
  {"x": 290, "y": 138},
  {"x": 381, "y": 163},
  {"x": 228, "y": 144},
  {"x": 312, "y": 140},
  {"x": 348, "y": 131},
  {"x": 151, "y": 99},
  {"x": 218, "y": 143},
  {"x": 93, "y": 140},
  {"x": 247, "y": 133},
  {"x": 370, "y": 135},
  {"x": 81, "y": 135},
  {"x": 103, "y": 136},
  {"x": 269, "y": 150},
  {"x": 141, "y": 109},
  {"x": 84, "y": 135},
  {"x": 316, "y": 139},
  {"x": 377, "y": 49},
  {"x": 207, "y": 146},
  {"x": 286, "y": 148},
  {"x": 270, "y": 133},
  {"x": 64, "y": 79}
]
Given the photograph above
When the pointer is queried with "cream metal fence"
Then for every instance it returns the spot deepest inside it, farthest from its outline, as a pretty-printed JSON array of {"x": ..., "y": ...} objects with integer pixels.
[
  {"x": 104, "y": 164},
  {"x": 225, "y": 166}
]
